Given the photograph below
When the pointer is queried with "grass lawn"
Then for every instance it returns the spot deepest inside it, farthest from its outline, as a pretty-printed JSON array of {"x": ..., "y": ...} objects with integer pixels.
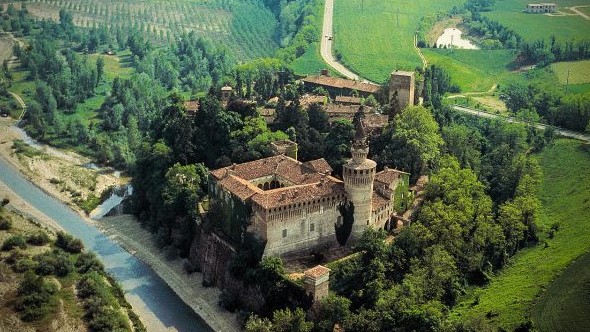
[
  {"x": 538, "y": 26},
  {"x": 311, "y": 63},
  {"x": 579, "y": 88},
  {"x": 565, "y": 305},
  {"x": 578, "y": 71},
  {"x": 371, "y": 40},
  {"x": 564, "y": 192},
  {"x": 472, "y": 70}
]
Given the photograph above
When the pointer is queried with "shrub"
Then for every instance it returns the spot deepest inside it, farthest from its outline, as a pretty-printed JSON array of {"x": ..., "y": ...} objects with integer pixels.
[
  {"x": 69, "y": 243},
  {"x": 14, "y": 256},
  {"x": 35, "y": 295},
  {"x": 88, "y": 262},
  {"x": 4, "y": 202},
  {"x": 13, "y": 242},
  {"x": 24, "y": 264},
  {"x": 56, "y": 262},
  {"x": 38, "y": 238},
  {"x": 5, "y": 223}
]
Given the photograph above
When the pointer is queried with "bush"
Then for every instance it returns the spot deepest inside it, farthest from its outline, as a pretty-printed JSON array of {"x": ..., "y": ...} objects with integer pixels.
[
  {"x": 88, "y": 262},
  {"x": 14, "y": 256},
  {"x": 5, "y": 223},
  {"x": 35, "y": 295},
  {"x": 4, "y": 202},
  {"x": 13, "y": 242},
  {"x": 56, "y": 262},
  {"x": 69, "y": 243},
  {"x": 39, "y": 238},
  {"x": 24, "y": 264}
]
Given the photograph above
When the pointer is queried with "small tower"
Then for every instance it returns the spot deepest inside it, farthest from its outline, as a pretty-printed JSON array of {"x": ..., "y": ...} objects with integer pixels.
[
  {"x": 317, "y": 283},
  {"x": 226, "y": 92},
  {"x": 359, "y": 174},
  {"x": 401, "y": 86}
]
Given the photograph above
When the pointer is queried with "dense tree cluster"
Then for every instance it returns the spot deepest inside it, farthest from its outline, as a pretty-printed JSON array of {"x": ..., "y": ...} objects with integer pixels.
[
  {"x": 543, "y": 53},
  {"x": 551, "y": 105}
]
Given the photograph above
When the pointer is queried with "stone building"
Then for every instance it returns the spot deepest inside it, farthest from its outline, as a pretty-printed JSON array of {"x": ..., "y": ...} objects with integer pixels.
[
  {"x": 337, "y": 86},
  {"x": 294, "y": 206},
  {"x": 401, "y": 88}
]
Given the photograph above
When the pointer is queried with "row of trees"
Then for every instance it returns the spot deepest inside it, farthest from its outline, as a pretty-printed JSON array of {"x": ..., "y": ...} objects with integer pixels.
[
  {"x": 544, "y": 53},
  {"x": 538, "y": 101}
]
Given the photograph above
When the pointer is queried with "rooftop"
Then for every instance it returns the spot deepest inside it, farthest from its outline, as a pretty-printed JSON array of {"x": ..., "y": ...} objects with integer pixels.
[
  {"x": 403, "y": 73},
  {"x": 327, "y": 187},
  {"x": 341, "y": 83},
  {"x": 317, "y": 271}
]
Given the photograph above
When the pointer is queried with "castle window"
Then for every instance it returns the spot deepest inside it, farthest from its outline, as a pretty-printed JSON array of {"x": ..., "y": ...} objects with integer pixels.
[
  {"x": 311, "y": 227},
  {"x": 321, "y": 209},
  {"x": 284, "y": 232}
]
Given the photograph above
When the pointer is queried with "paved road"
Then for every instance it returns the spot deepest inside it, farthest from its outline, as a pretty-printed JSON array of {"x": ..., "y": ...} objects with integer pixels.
[
  {"x": 326, "y": 45},
  {"x": 560, "y": 131}
]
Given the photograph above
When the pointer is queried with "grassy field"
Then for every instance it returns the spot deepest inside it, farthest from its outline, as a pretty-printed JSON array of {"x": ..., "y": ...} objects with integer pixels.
[
  {"x": 564, "y": 192},
  {"x": 371, "y": 40},
  {"x": 246, "y": 27},
  {"x": 576, "y": 72},
  {"x": 472, "y": 70},
  {"x": 565, "y": 305},
  {"x": 536, "y": 26},
  {"x": 310, "y": 63}
]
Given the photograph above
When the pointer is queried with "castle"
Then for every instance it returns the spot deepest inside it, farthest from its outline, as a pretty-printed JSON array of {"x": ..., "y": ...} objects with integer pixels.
[{"x": 295, "y": 206}]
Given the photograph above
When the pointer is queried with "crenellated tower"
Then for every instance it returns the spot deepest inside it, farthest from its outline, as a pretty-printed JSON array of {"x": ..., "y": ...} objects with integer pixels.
[{"x": 359, "y": 174}]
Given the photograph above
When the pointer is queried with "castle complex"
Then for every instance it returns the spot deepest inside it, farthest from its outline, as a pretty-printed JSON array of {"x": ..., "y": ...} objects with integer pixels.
[{"x": 295, "y": 206}]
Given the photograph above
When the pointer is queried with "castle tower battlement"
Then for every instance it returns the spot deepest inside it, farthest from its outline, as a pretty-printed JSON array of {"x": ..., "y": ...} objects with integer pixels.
[{"x": 359, "y": 174}]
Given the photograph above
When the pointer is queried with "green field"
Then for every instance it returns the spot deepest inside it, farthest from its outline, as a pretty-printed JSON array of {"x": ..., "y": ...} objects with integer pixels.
[
  {"x": 574, "y": 72},
  {"x": 371, "y": 40},
  {"x": 246, "y": 27},
  {"x": 565, "y": 305},
  {"x": 537, "y": 26},
  {"x": 472, "y": 70},
  {"x": 310, "y": 63},
  {"x": 564, "y": 192}
]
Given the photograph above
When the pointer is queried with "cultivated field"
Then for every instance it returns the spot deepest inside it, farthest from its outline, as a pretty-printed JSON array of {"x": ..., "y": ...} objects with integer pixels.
[
  {"x": 565, "y": 25},
  {"x": 508, "y": 300},
  {"x": 371, "y": 39},
  {"x": 574, "y": 72},
  {"x": 565, "y": 305},
  {"x": 246, "y": 27}
]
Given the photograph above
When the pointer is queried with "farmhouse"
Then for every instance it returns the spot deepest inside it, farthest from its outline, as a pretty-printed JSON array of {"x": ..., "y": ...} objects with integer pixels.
[
  {"x": 539, "y": 8},
  {"x": 295, "y": 206}
]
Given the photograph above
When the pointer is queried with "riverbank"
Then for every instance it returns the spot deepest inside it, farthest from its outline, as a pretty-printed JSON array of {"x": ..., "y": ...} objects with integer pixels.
[{"x": 49, "y": 164}]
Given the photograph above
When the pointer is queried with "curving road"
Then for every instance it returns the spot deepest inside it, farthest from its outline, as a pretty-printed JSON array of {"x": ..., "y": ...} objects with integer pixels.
[
  {"x": 326, "y": 45},
  {"x": 558, "y": 130}
]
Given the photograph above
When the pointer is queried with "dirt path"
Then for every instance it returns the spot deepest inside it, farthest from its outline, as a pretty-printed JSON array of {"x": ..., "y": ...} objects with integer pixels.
[
  {"x": 579, "y": 12},
  {"x": 424, "y": 62}
]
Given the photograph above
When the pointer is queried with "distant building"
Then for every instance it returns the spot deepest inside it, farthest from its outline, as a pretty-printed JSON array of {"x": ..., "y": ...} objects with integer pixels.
[
  {"x": 226, "y": 92},
  {"x": 339, "y": 86},
  {"x": 540, "y": 8},
  {"x": 401, "y": 88},
  {"x": 295, "y": 206},
  {"x": 346, "y": 100}
]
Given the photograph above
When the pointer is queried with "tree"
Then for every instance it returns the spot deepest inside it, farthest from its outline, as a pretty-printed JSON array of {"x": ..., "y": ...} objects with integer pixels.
[
  {"x": 99, "y": 69},
  {"x": 412, "y": 142},
  {"x": 338, "y": 144}
]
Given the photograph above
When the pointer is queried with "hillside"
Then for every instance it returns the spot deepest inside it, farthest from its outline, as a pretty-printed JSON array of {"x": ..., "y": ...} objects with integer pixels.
[{"x": 509, "y": 298}]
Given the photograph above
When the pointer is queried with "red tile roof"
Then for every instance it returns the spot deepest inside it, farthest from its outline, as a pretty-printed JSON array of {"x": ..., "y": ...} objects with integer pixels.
[
  {"x": 341, "y": 83},
  {"x": 326, "y": 187},
  {"x": 317, "y": 271}
]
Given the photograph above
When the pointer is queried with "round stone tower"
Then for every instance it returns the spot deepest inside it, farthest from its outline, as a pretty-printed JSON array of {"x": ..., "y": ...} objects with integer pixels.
[{"x": 358, "y": 175}]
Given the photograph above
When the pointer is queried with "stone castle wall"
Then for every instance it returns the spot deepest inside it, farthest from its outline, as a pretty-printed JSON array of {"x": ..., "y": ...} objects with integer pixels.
[{"x": 307, "y": 226}]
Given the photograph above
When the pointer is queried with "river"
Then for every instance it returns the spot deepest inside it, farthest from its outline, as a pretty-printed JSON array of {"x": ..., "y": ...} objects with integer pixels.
[{"x": 137, "y": 279}]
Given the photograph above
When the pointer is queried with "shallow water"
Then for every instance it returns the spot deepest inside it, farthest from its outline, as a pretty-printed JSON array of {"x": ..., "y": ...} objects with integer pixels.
[{"x": 451, "y": 37}]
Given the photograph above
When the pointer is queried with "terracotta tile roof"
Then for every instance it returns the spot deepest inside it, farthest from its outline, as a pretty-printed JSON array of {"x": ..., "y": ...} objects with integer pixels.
[
  {"x": 326, "y": 187},
  {"x": 348, "y": 100},
  {"x": 306, "y": 100},
  {"x": 378, "y": 201},
  {"x": 319, "y": 165},
  {"x": 239, "y": 187},
  {"x": 317, "y": 271},
  {"x": 253, "y": 169},
  {"x": 341, "y": 83},
  {"x": 338, "y": 110},
  {"x": 388, "y": 176}
]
